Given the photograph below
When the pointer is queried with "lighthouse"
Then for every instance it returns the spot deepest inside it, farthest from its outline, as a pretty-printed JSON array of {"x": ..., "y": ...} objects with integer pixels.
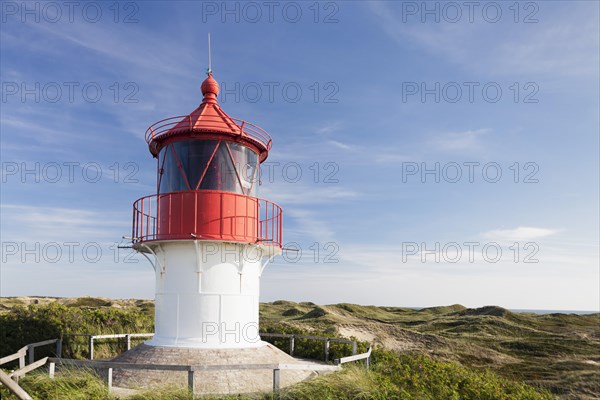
[
  {"x": 208, "y": 237},
  {"x": 205, "y": 231}
]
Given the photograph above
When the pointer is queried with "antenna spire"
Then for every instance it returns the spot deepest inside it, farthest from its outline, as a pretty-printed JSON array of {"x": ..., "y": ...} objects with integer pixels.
[{"x": 209, "y": 71}]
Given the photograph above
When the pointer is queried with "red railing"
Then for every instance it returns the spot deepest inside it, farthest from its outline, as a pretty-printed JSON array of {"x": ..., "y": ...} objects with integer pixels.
[
  {"x": 161, "y": 128},
  {"x": 207, "y": 215}
]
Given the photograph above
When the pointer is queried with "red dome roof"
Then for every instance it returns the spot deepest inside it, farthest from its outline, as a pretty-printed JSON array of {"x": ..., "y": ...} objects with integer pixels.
[{"x": 208, "y": 118}]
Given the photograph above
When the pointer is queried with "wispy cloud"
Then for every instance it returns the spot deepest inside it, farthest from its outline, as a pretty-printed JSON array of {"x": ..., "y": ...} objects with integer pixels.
[
  {"x": 329, "y": 128},
  {"x": 303, "y": 194},
  {"x": 522, "y": 233},
  {"x": 32, "y": 223},
  {"x": 43, "y": 133},
  {"x": 387, "y": 157},
  {"x": 562, "y": 43},
  {"x": 310, "y": 224},
  {"x": 469, "y": 140},
  {"x": 340, "y": 145},
  {"x": 138, "y": 50}
]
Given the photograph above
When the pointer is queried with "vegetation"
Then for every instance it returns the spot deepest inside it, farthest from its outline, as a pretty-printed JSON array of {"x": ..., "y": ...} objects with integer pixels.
[
  {"x": 20, "y": 325},
  {"x": 558, "y": 352},
  {"x": 412, "y": 377},
  {"x": 441, "y": 352},
  {"x": 391, "y": 377}
]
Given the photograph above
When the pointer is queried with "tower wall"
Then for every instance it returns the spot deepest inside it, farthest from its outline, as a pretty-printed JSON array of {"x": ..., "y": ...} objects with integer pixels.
[{"x": 207, "y": 293}]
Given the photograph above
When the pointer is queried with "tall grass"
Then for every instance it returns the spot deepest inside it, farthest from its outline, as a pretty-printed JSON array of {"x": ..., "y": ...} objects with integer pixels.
[{"x": 69, "y": 384}]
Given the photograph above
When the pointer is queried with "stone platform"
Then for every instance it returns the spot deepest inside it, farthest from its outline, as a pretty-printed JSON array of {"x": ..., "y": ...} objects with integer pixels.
[{"x": 213, "y": 382}]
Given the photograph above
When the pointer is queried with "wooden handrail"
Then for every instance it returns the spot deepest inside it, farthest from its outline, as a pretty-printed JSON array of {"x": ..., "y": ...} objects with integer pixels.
[
  {"x": 356, "y": 357},
  {"x": 11, "y": 380},
  {"x": 21, "y": 372},
  {"x": 14, "y": 387},
  {"x": 18, "y": 354}
]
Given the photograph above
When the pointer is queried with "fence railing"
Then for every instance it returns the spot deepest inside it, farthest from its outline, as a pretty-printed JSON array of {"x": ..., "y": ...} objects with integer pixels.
[
  {"x": 11, "y": 380},
  {"x": 326, "y": 342},
  {"x": 208, "y": 215},
  {"x": 108, "y": 366},
  {"x": 165, "y": 127},
  {"x": 126, "y": 336},
  {"x": 30, "y": 348},
  {"x": 355, "y": 357},
  {"x": 291, "y": 337}
]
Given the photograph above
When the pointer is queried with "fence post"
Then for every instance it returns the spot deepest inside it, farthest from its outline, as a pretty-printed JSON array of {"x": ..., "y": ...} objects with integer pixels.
[
  {"x": 128, "y": 339},
  {"x": 353, "y": 348},
  {"x": 21, "y": 362},
  {"x": 292, "y": 345},
  {"x": 109, "y": 379},
  {"x": 59, "y": 348},
  {"x": 31, "y": 354},
  {"x": 367, "y": 362},
  {"x": 51, "y": 370},
  {"x": 191, "y": 382},
  {"x": 326, "y": 349},
  {"x": 276, "y": 382},
  {"x": 91, "y": 346}
]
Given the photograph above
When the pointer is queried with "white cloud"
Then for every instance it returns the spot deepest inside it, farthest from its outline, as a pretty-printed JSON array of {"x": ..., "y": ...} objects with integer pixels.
[{"x": 522, "y": 233}]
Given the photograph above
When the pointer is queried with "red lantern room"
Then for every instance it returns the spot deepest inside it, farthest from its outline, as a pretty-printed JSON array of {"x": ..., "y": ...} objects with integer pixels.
[{"x": 208, "y": 167}]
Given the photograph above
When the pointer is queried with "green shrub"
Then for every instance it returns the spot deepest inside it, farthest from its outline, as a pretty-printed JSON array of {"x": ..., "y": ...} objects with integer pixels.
[{"x": 23, "y": 325}]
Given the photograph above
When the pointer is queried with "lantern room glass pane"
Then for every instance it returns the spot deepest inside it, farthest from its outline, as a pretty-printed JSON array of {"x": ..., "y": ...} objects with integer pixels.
[
  {"x": 229, "y": 161},
  {"x": 221, "y": 174},
  {"x": 246, "y": 163},
  {"x": 193, "y": 156},
  {"x": 172, "y": 179}
]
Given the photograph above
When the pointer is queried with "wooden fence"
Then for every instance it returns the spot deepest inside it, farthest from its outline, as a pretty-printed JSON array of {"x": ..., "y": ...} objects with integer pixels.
[
  {"x": 291, "y": 337},
  {"x": 108, "y": 366},
  {"x": 11, "y": 380}
]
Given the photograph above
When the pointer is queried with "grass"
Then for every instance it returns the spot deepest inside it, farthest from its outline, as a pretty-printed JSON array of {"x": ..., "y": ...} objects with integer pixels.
[{"x": 77, "y": 384}]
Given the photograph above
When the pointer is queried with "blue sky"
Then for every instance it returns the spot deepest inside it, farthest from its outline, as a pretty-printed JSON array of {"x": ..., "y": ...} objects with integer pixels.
[{"x": 367, "y": 94}]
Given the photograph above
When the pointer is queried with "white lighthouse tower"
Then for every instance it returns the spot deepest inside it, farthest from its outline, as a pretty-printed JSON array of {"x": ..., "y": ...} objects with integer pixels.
[{"x": 206, "y": 232}]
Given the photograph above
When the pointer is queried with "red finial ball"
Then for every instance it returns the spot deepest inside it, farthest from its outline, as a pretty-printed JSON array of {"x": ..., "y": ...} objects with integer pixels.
[{"x": 210, "y": 86}]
